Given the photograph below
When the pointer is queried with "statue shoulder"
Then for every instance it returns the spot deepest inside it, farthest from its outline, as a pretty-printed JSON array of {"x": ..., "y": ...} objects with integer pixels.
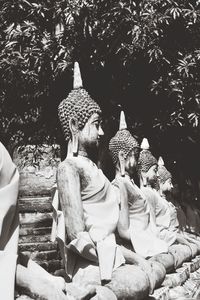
[{"x": 67, "y": 167}]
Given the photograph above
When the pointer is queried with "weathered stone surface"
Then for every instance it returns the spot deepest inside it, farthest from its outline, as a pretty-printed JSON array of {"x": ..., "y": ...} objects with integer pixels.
[
  {"x": 181, "y": 253},
  {"x": 34, "y": 238},
  {"x": 36, "y": 219},
  {"x": 196, "y": 260},
  {"x": 192, "y": 266},
  {"x": 178, "y": 293},
  {"x": 35, "y": 204},
  {"x": 176, "y": 279},
  {"x": 24, "y": 231},
  {"x": 51, "y": 266},
  {"x": 37, "y": 167},
  {"x": 35, "y": 232},
  {"x": 160, "y": 294},
  {"x": 79, "y": 291},
  {"x": 194, "y": 249},
  {"x": 38, "y": 246},
  {"x": 129, "y": 282},
  {"x": 158, "y": 273},
  {"x": 43, "y": 255},
  {"x": 103, "y": 292},
  {"x": 166, "y": 259}
]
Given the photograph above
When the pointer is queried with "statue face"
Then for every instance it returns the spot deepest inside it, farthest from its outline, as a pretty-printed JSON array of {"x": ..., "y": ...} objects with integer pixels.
[
  {"x": 151, "y": 174},
  {"x": 91, "y": 133},
  {"x": 167, "y": 186}
]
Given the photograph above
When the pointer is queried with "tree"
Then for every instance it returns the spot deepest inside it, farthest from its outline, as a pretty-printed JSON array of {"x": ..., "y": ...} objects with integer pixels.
[
  {"x": 32, "y": 55},
  {"x": 141, "y": 56}
]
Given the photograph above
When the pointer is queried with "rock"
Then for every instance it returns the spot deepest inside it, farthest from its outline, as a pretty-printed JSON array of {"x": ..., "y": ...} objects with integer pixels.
[
  {"x": 176, "y": 279},
  {"x": 160, "y": 294}
]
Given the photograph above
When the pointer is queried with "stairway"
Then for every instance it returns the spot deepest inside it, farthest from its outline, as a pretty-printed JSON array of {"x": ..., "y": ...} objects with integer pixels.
[{"x": 35, "y": 214}]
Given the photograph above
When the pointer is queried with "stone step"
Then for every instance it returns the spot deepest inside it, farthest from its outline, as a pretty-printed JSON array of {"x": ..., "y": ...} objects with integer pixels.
[
  {"x": 39, "y": 246},
  {"x": 43, "y": 255},
  {"x": 35, "y": 204},
  {"x": 35, "y": 214},
  {"x": 26, "y": 231},
  {"x": 52, "y": 265},
  {"x": 35, "y": 238},
  {"x": 36, "y": 219}
]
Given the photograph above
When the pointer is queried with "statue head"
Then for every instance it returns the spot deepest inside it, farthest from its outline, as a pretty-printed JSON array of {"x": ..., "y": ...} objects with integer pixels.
[
  {"x": 147, "y": 165},
  {"x": 80, "y": 117},
  {"x": 124, "y": 149},
  {"x": 164, "y": 177}
]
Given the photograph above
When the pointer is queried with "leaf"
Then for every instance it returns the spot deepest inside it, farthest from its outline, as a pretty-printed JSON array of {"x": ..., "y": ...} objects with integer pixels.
[
  {"x": 10, "y": 28},
  {"x": 28, "y": 3},
  {"x": 8, "y": 45}
]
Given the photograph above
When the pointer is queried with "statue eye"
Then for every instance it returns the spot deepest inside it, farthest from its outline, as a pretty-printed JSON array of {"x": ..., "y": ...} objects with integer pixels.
[{"x": 97, "y": 123}]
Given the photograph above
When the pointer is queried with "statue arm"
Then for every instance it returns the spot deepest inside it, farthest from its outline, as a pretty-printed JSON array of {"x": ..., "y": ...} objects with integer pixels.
[
  {"x": 124, "y": 221},
  {"x": 182, "y": 240},
  {"x": 68, "y": 182},
  {"x": 70, "y": 198}
]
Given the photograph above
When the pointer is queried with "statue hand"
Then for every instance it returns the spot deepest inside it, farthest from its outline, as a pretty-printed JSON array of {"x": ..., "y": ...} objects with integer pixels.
[
  {"x": 97, "y": 234},
  {"x": 84, "y": 246},
  {"x": 47, "y": 289},
  {"x": 80, "y": 292}
]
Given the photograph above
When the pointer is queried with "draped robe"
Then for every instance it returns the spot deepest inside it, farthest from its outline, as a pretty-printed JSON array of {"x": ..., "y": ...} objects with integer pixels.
[
  {"x": 9, "y": 223},
  {"x": 143, "y": 231},
  {"x": 164, "y": 214},
  {"x": 101, "y": 214}
]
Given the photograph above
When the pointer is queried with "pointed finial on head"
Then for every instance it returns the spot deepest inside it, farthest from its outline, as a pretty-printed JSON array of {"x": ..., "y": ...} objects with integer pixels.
[
  {"x": 77, "y": 76},
  {"x": 144, "y": 144},
  {"x": 161, "y": 161},
  {"x": 122, "y": 122}
]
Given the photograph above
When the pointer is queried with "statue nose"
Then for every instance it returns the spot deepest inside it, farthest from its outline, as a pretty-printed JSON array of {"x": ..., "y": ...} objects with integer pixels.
[{"x": 101, "y": 131}]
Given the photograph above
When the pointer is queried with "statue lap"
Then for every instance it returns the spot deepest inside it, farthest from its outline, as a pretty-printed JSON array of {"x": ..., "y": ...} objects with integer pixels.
[{"x": 128, "y": 281}]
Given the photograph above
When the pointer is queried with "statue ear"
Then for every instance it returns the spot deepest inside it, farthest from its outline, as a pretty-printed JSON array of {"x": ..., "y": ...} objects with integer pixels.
[
  {"x": 121, "y": 157},
  {"x": 73, "y": 125}
]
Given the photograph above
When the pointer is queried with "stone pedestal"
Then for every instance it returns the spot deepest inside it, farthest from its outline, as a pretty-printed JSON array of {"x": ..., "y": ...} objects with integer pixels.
[{"x": 37, "y": 166}]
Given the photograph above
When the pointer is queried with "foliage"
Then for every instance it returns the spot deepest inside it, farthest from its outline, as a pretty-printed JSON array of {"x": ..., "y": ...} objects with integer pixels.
[
  {"x": 143, "y": 56},
  {"x": 37, "y": 156},
  {"x": 32, "y": 53},
  {"x": 163, "y": 38}
]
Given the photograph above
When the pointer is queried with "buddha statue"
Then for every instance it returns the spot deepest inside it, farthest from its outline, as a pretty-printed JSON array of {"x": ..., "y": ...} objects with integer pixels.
[{"x": 89, "y": 202}]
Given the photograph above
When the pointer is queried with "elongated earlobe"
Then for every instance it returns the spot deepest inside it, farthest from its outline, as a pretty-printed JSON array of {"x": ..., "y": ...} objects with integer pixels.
[
  {"x": 122, "y": 163},
  {"x": 73, "y": 124},
  {"x": 75, "y": 144},
  {"x": 144, "y": 181}
]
